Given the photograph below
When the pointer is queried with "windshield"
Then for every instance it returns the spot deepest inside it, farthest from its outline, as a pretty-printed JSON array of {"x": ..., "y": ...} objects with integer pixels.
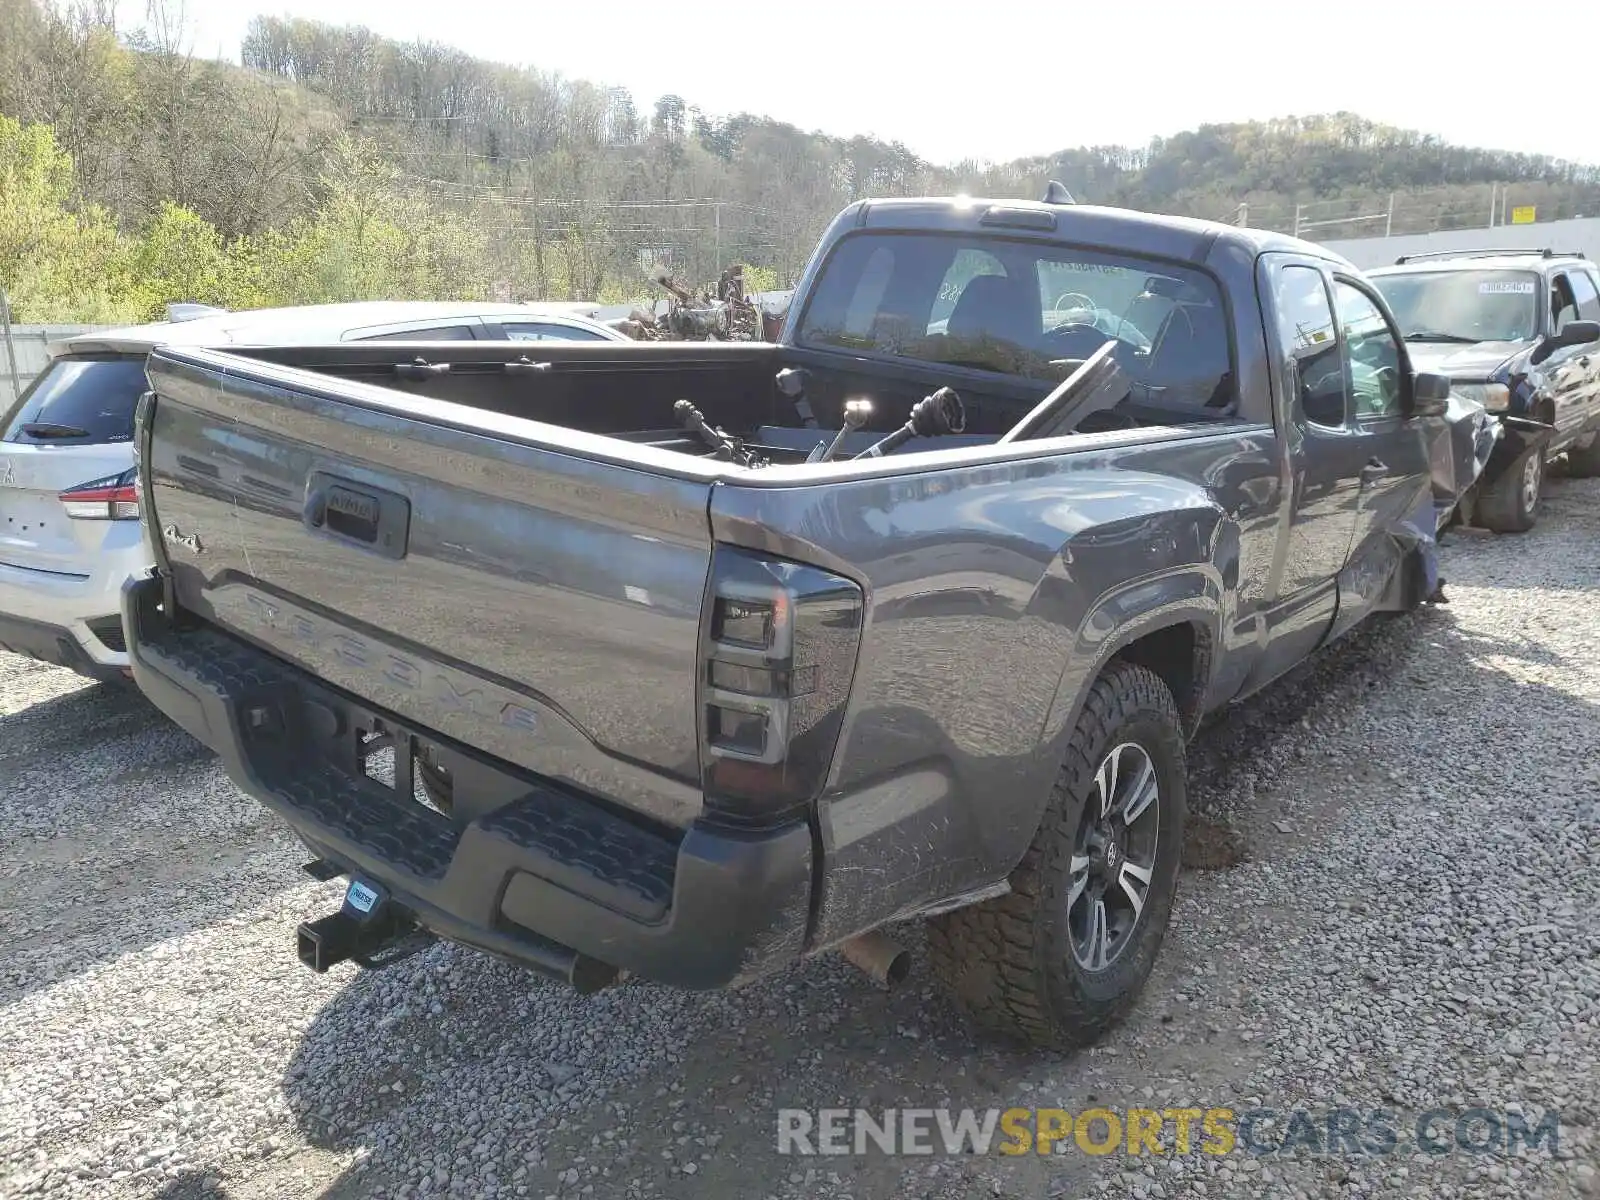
[
  {"x": 1463, "y": 306},
  {"x": 1023, "y": 308},
  {"x": 80, "y": 401}
]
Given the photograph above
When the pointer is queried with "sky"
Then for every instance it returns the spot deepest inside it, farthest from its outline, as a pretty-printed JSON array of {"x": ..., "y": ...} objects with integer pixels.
[{"x": 1009, "y": 78}]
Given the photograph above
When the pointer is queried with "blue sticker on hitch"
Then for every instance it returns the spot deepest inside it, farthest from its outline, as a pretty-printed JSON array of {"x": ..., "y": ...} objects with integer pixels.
[{"x": 360, "y": 897}]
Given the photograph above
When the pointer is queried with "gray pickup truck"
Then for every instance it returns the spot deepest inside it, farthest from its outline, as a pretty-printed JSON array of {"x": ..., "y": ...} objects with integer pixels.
[{"x": 689, "y": 661}]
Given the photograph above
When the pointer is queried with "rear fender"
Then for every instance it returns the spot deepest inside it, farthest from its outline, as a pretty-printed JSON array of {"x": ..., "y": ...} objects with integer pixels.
[{"x": 1190, "y": 596}]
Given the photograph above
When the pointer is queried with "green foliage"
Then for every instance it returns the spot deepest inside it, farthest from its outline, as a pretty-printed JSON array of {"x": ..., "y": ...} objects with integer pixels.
[
  {"x": 64, "y": 262},
  {"x": 760, "y": 279},
  {"x": 180, "y": 256},
  {"x": 366, "y": 241},
  {"x": 336, "y": 164},
  {"x": 56, "y": 263}
]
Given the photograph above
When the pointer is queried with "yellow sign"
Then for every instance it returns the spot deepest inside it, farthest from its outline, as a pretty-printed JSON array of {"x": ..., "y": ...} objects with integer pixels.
[{"x": 1523, "y": 215}]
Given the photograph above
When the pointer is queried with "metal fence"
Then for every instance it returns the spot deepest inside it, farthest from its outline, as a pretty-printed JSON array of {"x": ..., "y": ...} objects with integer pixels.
[{"x": 1424, "y": 211}]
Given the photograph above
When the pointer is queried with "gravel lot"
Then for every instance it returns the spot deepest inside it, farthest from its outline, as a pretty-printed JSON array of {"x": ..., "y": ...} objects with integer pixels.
[{"x": 1415, "y": 923}]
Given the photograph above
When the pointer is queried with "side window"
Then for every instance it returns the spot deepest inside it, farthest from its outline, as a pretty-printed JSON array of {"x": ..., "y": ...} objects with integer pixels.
[
  {"x": 1563, "y": 308},
  {"x": 1372, "y": 356},
  {"x": 1305, "y": 326},
  {"x": 1583, "y": 290},
  {"x": 435, "y": 333},
  {"x": 525, "y": 331}
]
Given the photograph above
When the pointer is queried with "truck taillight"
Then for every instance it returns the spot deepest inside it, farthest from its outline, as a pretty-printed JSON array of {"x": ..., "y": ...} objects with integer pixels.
[
  {"x": 778, "y": 651},
  {"x": 111, "y": 498}
]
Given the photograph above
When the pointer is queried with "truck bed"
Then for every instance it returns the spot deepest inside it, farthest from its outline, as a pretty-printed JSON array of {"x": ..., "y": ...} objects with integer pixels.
[{"x": 628, "y": 392}]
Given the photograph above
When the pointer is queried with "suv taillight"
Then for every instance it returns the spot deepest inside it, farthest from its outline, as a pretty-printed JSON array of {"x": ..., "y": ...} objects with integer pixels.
[
  {"x": 111, "y": 498},
  {"x": 778, "y": 652}
]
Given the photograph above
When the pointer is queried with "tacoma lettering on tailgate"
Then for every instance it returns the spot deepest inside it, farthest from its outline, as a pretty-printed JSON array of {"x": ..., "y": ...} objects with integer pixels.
[{"x": 439, "y": 687}]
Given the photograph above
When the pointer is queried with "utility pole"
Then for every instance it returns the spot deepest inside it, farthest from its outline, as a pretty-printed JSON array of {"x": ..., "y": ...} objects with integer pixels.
[
  {"x": 1492, "y": 189},
  {"x": 1298, "y": 209},
  {"x": 717, "y": 220},
  {"x": 1388, "y": 222}
]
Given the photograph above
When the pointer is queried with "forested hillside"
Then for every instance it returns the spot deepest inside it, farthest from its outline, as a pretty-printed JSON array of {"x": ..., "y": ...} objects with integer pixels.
[{"x": 332, "y": 164}]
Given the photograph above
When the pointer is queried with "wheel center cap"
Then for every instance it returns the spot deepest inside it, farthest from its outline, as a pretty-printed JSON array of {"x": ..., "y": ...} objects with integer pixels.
[{"x": 1113, "y": 857}]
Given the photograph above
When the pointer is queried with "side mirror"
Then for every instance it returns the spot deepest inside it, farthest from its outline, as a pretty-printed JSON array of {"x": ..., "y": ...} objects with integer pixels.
[
  {"x": 1574, "y": 333},
  {"x": 1579, "y": 333},
  {"x": 1430, "y": 394}
]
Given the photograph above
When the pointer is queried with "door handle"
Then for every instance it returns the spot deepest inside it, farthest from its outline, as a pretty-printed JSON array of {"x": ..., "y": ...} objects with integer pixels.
[
  {"x": 420, "y": 368},
  {"x": 1373, "y": 470},
  {"x": 524, "y": 366}
]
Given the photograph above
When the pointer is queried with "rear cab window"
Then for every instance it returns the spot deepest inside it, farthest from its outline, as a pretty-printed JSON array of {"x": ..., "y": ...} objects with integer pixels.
[
  {"x": 1028, "y": 309},
  {"x": 79, "y": 400}
]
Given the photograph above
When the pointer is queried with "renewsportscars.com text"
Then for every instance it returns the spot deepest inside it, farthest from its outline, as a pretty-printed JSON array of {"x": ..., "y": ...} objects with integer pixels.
[{"x": 1339, "y": 1131}]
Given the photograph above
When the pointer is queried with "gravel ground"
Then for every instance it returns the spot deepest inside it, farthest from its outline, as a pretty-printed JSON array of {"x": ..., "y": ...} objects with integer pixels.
[{"x": 1401, "y": 915}]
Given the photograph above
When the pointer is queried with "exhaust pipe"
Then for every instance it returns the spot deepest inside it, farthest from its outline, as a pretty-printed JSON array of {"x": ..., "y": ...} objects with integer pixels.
[{"x": 885, "y": 961}]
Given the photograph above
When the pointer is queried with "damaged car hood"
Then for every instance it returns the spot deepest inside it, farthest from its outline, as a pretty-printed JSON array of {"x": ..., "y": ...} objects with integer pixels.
[{"x": 1466, "y": 362}]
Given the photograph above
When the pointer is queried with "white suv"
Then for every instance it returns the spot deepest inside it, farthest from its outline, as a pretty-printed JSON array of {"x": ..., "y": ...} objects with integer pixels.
[{"x": 69, "y": 518}]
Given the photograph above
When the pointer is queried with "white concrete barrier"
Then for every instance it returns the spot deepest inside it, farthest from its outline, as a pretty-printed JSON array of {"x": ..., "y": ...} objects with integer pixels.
[{"x": 1579, "y": 233}]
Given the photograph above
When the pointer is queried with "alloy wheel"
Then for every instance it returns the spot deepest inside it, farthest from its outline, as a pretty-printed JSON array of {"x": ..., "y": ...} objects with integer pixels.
[
  {"x": 1113, "y": 857},
  {"x": 1532, "y": 477}
]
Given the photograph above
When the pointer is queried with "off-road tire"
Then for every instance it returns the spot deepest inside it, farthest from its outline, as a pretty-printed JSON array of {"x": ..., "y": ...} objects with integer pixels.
[
  {"x": 1503, "y": 505},
  {"x": 1009, "y": 961},
  {"x": 1584, "y": 463}
]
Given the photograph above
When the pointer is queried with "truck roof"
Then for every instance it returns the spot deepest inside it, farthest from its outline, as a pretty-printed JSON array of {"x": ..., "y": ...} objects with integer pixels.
[{"x": 1124, "y": 229}]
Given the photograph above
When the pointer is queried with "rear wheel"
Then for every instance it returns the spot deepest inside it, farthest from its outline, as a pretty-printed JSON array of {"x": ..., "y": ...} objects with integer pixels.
[
  {"x": 1510, "y": 504},
  {"x": 1062, "y": 958}
]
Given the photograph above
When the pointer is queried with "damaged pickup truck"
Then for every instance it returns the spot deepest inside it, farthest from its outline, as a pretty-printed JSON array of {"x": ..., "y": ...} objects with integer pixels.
[{"x": 689, "y": 661}]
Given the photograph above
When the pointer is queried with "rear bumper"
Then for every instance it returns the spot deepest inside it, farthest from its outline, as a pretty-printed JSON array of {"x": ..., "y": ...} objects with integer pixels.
[
  {"x": 85, "y": 608},
  {"x": 553, "y": 879},
  {"x": 58, "y": 645}
]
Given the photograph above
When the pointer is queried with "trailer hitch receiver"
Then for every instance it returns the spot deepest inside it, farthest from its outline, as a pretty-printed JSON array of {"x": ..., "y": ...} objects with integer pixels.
[{"x": 369, "y": 929}]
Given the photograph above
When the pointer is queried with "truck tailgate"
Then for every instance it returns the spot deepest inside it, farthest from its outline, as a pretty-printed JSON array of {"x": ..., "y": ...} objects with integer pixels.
[{"x": 515, "y": 587}]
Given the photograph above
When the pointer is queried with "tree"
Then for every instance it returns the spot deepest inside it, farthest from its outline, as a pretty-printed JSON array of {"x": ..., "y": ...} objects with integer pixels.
[
  {"x": 57, "y": 263},
  {"x": 336, "y": 163},
  {"x": 181, "y": 256}
]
